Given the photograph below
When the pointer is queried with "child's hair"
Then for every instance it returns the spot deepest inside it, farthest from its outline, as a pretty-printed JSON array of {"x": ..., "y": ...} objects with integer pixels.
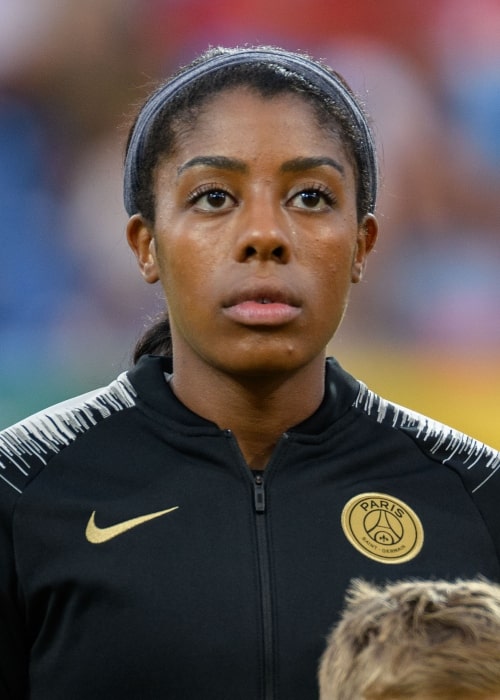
[{"x": 415, "y": 639}]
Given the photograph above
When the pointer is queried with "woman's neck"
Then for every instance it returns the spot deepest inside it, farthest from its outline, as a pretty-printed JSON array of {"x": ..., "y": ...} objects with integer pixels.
[{"x": 257, "y": 409}]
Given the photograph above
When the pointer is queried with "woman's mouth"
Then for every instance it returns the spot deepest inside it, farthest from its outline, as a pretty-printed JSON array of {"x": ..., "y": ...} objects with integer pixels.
[{"x": 262, "y": 311}]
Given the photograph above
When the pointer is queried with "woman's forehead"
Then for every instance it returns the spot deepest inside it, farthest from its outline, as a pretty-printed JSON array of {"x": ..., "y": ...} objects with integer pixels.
[
  {"x": 242, "y": 118},
  {"x": 238, "y": 98}
]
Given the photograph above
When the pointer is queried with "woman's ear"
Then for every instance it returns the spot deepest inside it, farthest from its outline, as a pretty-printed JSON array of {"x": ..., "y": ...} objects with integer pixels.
[
  {"x": 365, "y": 242},
  {"x": 140, "y": 238}
]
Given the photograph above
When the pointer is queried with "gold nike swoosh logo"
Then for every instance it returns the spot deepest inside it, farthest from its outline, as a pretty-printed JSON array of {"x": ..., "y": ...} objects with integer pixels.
[{"x": 98, "y": 535}]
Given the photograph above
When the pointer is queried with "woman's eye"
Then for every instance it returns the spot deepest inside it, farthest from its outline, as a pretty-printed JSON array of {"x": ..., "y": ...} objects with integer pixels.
[
  {"x": 212, "y": 200},
  {"x": 312, "y": 199}
]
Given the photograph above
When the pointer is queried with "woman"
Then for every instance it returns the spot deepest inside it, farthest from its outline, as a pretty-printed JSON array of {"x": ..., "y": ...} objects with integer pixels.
[{"x": 189, "y": 531}]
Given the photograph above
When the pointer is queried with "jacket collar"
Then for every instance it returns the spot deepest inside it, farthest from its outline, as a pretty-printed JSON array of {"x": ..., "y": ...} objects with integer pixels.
[{"x": 150, "y": 379}]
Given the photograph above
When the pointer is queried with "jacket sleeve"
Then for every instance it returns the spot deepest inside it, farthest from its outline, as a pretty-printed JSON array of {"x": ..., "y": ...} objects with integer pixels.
[
  {"x": 13, "y": 654},
  {"x": 480, "y": 473},
  {"x": 487, "y": 499}
]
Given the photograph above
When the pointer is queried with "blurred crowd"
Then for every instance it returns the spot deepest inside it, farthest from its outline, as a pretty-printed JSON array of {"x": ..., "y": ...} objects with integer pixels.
[{"x": 71, "y": 76}]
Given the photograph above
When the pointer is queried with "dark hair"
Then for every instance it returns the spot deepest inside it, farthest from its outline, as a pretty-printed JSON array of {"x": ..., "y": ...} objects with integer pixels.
[
  {"x": 173, "y": 108},
  {"x": 157, "y": 340}
]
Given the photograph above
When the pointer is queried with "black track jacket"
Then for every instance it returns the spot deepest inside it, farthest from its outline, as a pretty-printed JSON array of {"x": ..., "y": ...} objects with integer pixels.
[{"x": 142, "y": 560}]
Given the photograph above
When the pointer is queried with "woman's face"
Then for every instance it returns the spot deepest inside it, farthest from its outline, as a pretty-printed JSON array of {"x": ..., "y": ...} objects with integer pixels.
[{"x": 256, "y": 240}]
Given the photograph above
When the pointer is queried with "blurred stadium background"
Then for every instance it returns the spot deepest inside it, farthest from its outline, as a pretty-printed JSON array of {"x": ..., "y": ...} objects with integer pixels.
[{"x": 424, "y": 327}]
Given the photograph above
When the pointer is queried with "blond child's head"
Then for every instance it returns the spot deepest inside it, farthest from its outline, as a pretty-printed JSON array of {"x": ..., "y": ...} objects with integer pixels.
[{"x": 415, "y": 639}]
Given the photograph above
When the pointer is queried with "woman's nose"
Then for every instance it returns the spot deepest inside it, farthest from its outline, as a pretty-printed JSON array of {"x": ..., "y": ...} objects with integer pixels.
[{"x": 263, "y": 235}]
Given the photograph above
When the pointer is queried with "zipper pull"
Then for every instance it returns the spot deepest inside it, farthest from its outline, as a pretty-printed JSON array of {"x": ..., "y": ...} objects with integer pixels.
[{"x": 259, "y": 495}]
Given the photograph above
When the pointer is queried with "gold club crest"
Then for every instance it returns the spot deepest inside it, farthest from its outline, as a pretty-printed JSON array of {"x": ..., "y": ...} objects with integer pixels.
[{"x": 382, "y": 528}]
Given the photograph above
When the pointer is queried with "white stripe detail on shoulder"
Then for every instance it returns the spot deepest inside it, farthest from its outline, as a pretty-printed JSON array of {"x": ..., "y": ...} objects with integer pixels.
[
  {"x": 47, "y": 432},
  {"x": 445, "y": 443}
]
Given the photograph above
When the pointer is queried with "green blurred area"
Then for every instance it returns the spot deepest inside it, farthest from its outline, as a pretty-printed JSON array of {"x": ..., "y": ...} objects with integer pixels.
[{"x": 33, "y": 384}]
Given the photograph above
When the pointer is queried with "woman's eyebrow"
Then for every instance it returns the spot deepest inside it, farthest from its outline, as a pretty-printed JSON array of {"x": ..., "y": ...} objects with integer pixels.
[
  {"x": 221, "y": 162},
  {"x": 295, "y": 165},
  {"x": 309, "y": 163}
]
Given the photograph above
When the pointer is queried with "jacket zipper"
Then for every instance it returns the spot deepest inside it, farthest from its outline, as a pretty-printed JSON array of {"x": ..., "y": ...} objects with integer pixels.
[
  {"x": 259, "y": 497},
  {"x": 263, "y": 561}
]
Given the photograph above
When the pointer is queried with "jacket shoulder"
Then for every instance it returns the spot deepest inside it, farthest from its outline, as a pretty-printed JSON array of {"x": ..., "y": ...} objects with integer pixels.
[
  {"x": 476, "y": 462},
  {"x": 29, "y": 445}
]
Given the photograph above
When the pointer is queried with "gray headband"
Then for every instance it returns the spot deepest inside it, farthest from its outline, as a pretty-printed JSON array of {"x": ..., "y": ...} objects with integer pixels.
[{"x": 295, "y": 63}]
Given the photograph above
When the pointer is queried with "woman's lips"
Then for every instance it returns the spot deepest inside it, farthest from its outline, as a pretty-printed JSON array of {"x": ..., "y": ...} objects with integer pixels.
[{"x": 262, "y": 313}]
